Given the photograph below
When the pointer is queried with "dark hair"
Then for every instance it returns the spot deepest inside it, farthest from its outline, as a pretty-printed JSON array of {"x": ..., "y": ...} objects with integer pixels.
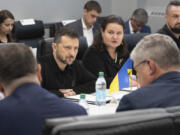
[
  {"x": 98, "y": 41},
  {"x": 5, "y": 14},
  {"x": 65, "y": 31},
  {"x": 16, "y": 60},
  {"x": 172, "y": 3},
  {"x": 140, "y": 15},
  {"x": 92, "y": 5}
]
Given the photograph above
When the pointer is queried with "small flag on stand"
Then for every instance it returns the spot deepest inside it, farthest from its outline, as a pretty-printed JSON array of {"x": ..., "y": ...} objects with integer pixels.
[{"x": 122, "y": 78}]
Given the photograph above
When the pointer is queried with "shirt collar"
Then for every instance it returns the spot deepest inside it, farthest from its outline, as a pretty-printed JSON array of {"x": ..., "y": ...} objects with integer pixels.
[{"x": 130, "y": 27}]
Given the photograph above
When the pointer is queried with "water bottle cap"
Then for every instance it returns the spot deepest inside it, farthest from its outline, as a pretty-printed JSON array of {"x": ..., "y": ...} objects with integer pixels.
[
  {"x": 83, "y": 96},
  {"x": 101, "y": 73}
]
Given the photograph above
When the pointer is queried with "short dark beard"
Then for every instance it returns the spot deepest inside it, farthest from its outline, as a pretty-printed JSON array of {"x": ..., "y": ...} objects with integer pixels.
[
  {"x": 175, "y": 30},
  {"x": 60, "y": 58}
]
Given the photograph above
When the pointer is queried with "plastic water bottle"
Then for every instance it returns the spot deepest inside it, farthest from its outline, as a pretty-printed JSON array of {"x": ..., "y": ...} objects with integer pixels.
[
  {"x": 83, "y": 102},
  {"x": 101, "y": 90}
]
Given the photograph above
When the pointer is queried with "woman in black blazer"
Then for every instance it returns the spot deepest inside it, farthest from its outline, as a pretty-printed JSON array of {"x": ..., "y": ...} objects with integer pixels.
[{"x": 108, "y": 52}]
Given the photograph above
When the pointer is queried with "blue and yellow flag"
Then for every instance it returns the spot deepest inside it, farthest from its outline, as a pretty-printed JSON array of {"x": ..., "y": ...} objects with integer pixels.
[{"x": 122, "y": 78}]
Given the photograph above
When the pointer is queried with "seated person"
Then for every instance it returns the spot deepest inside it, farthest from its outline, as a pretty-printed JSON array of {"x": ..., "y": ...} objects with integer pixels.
[
  {"x": 6, "y": 26},
  {"x": 26, "y": 105},
  {"x": 87, "y": 26},
  {"x": 172, "y": 27},
  {"x": 137, "y": 22},
  {"x": 61, "y": 73},
  {"x": 156, "y": 59},
  {"x": 108, "y": 52}
]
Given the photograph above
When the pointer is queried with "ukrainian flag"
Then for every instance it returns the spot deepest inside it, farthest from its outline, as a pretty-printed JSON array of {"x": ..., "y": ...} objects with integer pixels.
[{"x": 122, "y": 78}]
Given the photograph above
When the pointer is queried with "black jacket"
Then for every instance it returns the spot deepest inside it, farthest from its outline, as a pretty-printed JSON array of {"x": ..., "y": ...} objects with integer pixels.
[
  {"x": 166, "y": 31},
  {"x": 96, "y": 61},
  {"x": 74, "y": 77}
]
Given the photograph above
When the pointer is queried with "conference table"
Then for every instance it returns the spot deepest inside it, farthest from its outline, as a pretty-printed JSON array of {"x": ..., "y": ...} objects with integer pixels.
[{"x": 110, "y": 107}]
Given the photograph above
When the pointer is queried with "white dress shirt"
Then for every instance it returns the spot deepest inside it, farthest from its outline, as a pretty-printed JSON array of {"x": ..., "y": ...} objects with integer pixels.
[
  {"x": 131, "y": 28},
  {"x": 88, "y": 33}
]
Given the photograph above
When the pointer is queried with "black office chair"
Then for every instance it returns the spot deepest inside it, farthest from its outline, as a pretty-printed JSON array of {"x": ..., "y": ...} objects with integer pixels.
[
  {"x": 55, "y": 27},
  {"x": 137, "y": 122},
  {"x": 175, "y": 111},
  {"x": 133, "y": 39},
  {"x": 29, "y": 34},
  {"x": 82, "y": 47},
  {"x": 44, "y": 48}
]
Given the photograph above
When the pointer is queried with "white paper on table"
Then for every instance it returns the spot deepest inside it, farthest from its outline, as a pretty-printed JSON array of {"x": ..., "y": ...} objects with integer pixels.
[{"x": 91, "y": 98}]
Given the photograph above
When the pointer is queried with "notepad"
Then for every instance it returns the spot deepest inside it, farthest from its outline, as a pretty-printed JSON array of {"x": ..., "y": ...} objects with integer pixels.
[{"x": 91, "y": 98}]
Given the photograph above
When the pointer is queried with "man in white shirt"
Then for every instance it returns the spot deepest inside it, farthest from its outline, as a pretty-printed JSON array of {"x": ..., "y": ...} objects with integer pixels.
[{"x": 87, "y": 26}]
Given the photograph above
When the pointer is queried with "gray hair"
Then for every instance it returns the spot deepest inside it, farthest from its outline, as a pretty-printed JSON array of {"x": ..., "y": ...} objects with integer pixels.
[
  {"x": 140, "y": 15},
  {"x": 158, "y": 47}
]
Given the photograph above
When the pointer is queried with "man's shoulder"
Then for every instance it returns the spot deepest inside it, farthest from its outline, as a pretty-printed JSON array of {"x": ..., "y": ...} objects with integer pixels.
[
  {"x": 146, "y": 29},
  {"x": 64, "y": 105},
  {"x": 139, "y": 92},
  {"x": 163, "y": 30},
  {"x": 75, "y": 23},
  {"x": 126, "y": 23},
  {"x": 93, "y": 50},
  {"x": 127, "y": 29},
  {"x": 45, "y": 59},
  {"x": 91, "y": 54},
  {"x": 44, "y": 99},
  {"x": 147, "y": 26},
  {"x": 76, "y": 64}
]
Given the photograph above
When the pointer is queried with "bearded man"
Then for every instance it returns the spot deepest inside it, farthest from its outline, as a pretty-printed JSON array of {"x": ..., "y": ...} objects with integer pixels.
[
  {"x": 61, "y": 73},
  {"x": 172, "y": 26}
]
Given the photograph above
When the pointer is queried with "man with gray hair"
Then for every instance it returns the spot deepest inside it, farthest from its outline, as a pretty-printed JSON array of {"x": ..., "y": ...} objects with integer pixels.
[
  {"x": 156, "y": 60},
  {"x": 137, "y": 22}
]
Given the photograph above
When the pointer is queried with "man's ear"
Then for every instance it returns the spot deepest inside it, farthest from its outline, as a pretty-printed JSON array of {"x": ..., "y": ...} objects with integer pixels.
[
  {"x": 38, "y": 73},
  {"x": 2, "y": 88},
  {"x": 84, "y": 11},
  {"x": 152, "y": 67},
  {"x": 54, "y": 46}
]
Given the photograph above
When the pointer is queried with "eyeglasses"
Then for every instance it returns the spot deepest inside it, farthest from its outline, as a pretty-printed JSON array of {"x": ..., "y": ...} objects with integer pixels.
[{"x": 142, "y": 62}]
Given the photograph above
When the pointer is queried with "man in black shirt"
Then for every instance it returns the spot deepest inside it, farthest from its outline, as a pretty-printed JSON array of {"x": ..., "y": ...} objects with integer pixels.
[
  {"x": 172, "y": 26},
  {"x": 61, "y": 73}
]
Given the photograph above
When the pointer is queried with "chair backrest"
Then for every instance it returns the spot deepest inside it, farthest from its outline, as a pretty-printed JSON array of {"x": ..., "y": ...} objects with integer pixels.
[
  {"x": 82, "y": 47},
  {"x": 175, "y": 111},
  {"x": 133, "y": 39},
  {"x": 148, "y": 121},
  {"x": 44, "y": 48},
  {"x": 29, "y": 34},
  {"x": 55, "y": 27}
]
